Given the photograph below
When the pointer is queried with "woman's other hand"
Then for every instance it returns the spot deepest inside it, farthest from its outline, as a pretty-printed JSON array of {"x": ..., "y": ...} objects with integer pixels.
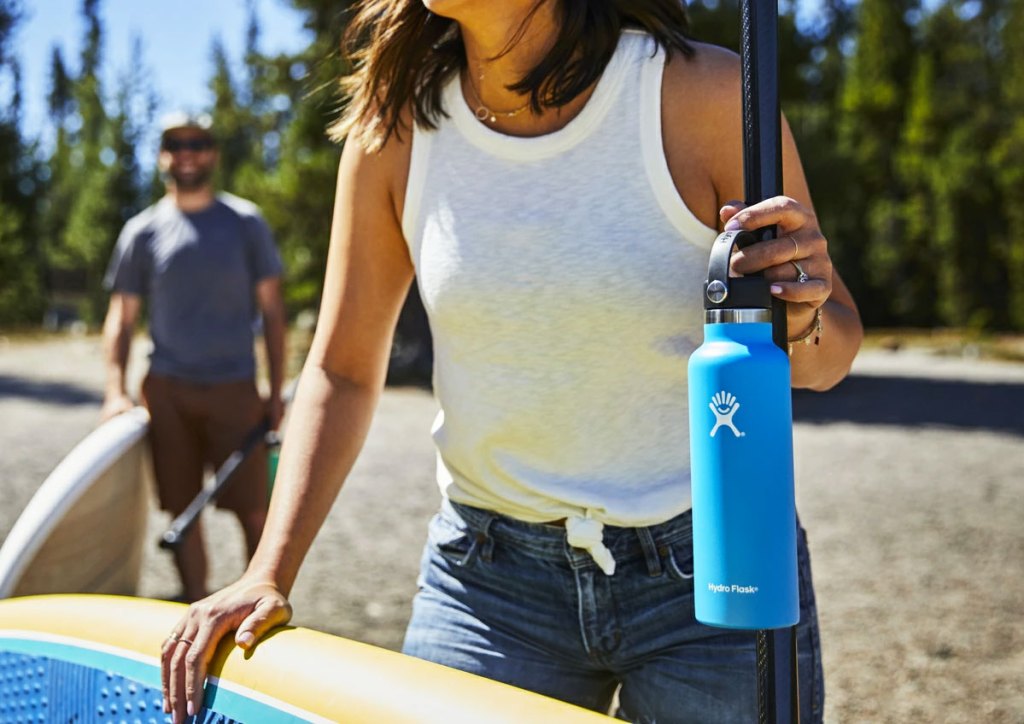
[
  {"x": 796, "y": 262},
  {"x": 250, "y": 609}
]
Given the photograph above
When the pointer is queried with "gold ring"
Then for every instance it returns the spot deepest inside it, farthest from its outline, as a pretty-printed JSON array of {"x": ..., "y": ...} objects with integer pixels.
[
  {"x": 801, "y": 275},
  {"x": 796, "y": 246},
  {"x": 184, "y": 641}
]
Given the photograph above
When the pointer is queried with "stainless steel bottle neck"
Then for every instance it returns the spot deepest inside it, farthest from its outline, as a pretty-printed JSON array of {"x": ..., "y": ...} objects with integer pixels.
[{"x": 736, "y": 316}]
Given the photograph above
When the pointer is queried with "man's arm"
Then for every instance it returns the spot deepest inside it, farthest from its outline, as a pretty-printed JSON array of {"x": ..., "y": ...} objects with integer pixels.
[
  {"x": 118, "y": 329},
  {"x": 271, "y": 303}
]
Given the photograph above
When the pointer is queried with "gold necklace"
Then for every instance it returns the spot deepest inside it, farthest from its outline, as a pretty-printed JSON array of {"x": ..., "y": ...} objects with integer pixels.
[{"x": 483, "y": 113}]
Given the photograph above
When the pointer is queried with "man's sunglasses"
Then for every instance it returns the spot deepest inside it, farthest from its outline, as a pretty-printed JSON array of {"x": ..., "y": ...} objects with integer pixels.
[{"x": 173, "y": 145}]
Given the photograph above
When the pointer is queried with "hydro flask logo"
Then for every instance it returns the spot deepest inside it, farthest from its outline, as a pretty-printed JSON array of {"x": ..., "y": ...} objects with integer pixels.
[{"x": 724, "y": 405}]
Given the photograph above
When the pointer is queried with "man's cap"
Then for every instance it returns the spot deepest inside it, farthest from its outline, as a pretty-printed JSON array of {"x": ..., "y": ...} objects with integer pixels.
[{"x": 177, "y": 120}]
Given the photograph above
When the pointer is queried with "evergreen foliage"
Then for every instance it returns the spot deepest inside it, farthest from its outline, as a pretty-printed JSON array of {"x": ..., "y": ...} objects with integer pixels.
[
  {"x": 909, "y": 116},
  {"x": 94, "y": 180},
  {"x": 294, "y": 174},
  {"x": 20, "y": 259}
]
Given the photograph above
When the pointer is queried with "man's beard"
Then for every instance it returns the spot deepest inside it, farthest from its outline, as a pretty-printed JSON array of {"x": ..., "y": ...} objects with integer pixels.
[{"x": 192, "y": 181}]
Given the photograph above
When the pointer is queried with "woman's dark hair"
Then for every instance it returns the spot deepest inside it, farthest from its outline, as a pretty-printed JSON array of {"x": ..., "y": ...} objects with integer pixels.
[{"x": 404, "y": 54}]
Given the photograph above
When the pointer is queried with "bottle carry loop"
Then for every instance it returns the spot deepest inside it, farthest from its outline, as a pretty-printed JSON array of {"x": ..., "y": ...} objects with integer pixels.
[{"x": 724, "y": 292}]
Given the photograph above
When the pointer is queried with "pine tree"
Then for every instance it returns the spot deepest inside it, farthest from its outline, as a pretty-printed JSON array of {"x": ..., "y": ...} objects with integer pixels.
[
  {"x": 87, "y": 89},
  {"x": 122, "y": 175},
  {"x": 909, "y": 270},
  {"x": 95, "y": 178},
  {"x": 1007, "y": 159},
  {"x": 232, "y": 122},
  {"x": 971, "y": 287},
  {"x": 870, "y": 122},
  {"x": 60, "y": 184},
  {"x": 296, "y": 190},
  {"x": 84, "y": 235},
  {"x": 20, "y": 269}
]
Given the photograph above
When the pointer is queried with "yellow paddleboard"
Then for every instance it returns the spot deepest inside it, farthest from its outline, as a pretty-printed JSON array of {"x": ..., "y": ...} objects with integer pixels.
[{"x": 96, "y": 658}]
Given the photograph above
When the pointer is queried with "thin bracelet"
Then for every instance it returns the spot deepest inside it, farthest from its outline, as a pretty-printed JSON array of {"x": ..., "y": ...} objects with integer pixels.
[{"x": 813, "y": 332}]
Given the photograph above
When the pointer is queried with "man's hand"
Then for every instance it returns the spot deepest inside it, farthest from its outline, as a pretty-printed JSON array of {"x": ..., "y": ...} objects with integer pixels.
[{"x": 114, "y": 405}]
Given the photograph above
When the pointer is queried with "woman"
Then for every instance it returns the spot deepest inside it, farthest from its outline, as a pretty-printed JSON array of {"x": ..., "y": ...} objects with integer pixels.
[{"x": 555, "y": 172}]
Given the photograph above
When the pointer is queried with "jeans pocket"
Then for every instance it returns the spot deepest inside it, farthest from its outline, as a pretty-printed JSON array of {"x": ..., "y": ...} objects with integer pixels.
[
  {"x": 678, "y": 559},
  {"x": 456, "y": 544}
]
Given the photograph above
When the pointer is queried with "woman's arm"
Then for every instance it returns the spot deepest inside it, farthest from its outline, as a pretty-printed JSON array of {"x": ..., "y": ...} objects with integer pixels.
[
  {"x": 702, "y": 121},
  {"x": 367, "y": 277}
]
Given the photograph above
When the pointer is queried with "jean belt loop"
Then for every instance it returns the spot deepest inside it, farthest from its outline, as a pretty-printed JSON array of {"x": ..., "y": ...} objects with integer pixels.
[
  {"x": 650, "y": 550},
  {"x": 486, "y": 539}
]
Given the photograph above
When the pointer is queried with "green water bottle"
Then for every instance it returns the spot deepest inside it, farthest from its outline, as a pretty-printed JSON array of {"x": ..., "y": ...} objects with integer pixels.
[{"x": 273, "y": 454}]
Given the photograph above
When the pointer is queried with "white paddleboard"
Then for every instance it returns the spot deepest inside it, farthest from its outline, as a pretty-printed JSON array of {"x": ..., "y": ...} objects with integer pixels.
[{"x": 83, "y": 530}]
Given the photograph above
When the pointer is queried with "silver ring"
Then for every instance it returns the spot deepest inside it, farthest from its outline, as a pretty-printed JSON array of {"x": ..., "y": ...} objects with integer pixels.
[
  {"x": 796, "y": 245},
  {"x": 801, "y": 275},
  {"x": 185, "y": 641}
]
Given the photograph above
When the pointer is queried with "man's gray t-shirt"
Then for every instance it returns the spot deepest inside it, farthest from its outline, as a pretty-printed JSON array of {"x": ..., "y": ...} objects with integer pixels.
[{"x": 198, "y": 272}]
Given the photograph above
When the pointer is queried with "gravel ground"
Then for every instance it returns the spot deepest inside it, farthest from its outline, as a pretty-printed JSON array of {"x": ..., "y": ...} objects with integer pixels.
[{"x": 910, "y": 482}]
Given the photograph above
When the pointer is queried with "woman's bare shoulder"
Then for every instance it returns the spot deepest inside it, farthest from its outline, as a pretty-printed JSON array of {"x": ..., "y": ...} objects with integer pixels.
[
  {"x": 704, "y": 87},
  {"x": 382, "y": 164},
  {"x": 702, "y": 118}
]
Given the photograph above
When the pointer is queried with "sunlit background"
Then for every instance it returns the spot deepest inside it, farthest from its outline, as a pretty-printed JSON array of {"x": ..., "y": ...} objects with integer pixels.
[{"x": 908, "y": 114}]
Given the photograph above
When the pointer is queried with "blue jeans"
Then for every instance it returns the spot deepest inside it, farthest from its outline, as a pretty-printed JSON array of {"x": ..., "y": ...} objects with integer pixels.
[{"x": 513, "y": 602}]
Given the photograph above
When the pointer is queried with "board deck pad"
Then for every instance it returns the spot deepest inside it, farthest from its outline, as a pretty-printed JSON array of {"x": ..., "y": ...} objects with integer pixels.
[{"x": 43, "y": 689}]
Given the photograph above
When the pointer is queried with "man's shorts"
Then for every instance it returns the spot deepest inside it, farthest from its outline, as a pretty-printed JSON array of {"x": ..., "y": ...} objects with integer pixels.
[{"x": 196, "y": 426}]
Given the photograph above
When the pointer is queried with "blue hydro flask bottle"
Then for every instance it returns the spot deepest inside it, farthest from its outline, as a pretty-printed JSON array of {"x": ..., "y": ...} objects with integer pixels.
[{"x": 741, "y": 450}]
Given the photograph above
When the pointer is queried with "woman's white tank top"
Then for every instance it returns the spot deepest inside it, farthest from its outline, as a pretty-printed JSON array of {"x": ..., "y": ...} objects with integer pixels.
[{"x": 562, "y": 278}]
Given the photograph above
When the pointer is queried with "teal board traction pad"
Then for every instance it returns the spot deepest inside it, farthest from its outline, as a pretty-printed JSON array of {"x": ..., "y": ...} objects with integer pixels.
[{"x": 40, "y": 689}]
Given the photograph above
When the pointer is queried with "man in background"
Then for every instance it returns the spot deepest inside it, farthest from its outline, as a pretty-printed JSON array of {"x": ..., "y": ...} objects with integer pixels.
[{"x": 205, "y": 264}]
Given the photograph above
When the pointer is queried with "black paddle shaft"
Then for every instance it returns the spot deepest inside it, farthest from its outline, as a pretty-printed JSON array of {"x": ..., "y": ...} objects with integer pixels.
[
  {"x": 777, "y": 680},
  {"x": 762, "y": 137},
  {"x": 173, "y": 536}
]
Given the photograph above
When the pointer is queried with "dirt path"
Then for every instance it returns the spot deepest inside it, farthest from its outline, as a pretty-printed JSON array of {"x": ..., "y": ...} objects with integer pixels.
[{"x": 910, "y": 484}]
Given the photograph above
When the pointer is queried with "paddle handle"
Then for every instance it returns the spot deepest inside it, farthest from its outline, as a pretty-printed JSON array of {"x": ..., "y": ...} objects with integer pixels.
[{"x": 173, "y": 536}]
